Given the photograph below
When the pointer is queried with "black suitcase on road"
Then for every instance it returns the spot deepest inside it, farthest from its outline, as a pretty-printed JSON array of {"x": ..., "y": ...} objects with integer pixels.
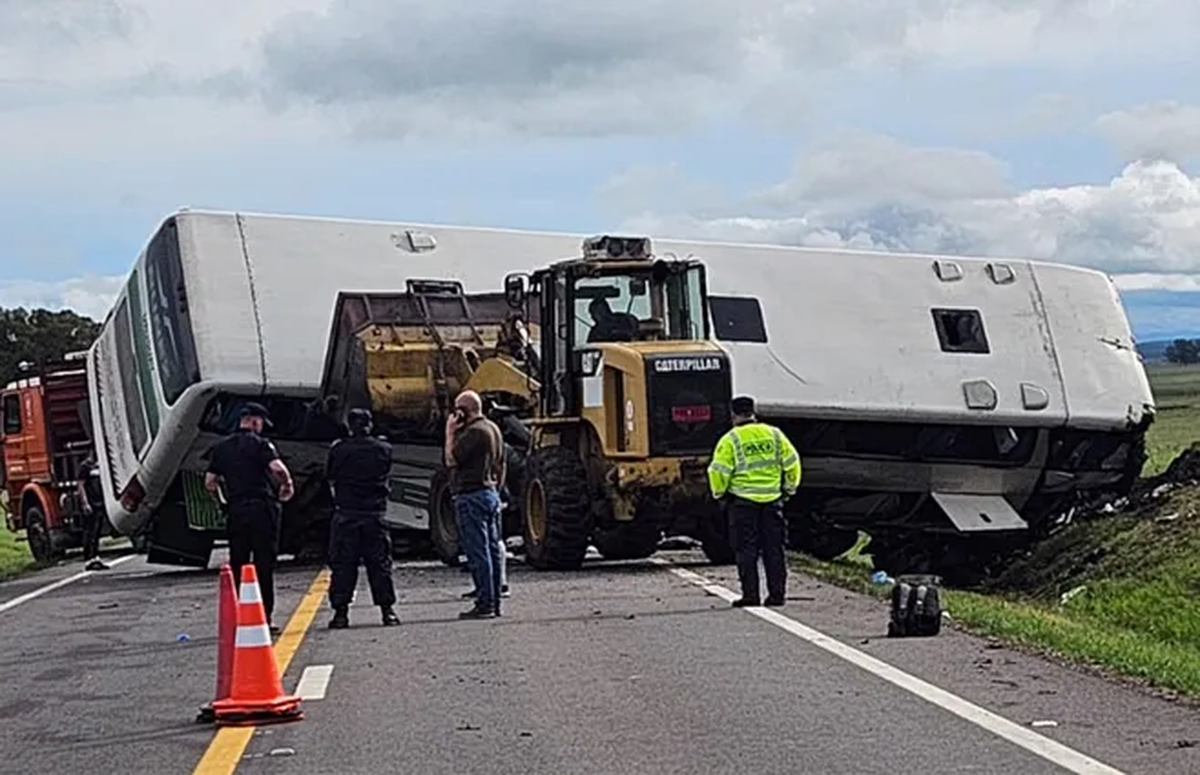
[{"x": 916, "y": 610}]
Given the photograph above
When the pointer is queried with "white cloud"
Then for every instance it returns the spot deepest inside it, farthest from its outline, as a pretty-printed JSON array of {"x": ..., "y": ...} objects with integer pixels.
[
  {"x": 150, "y": 87},
  {"x": 875, "y": 193},
  {"x": 396, "y": 67},
  {"x": 1161, "y": 130},
  {"x": 550, "y": 66},
  {"x": 90, "y": 296},
  {"x": 1142, "y": 281},
  {"x": 857, "y": 167}
]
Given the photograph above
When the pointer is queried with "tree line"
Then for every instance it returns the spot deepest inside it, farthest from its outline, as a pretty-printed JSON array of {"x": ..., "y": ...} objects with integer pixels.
[
  {"x": 1183, "y": 351},
  {"x": 40, "y": 336}
]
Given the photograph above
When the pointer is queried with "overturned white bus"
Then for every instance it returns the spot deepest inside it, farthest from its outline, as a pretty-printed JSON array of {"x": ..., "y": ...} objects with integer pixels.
[{"x": 951, "y": 407}]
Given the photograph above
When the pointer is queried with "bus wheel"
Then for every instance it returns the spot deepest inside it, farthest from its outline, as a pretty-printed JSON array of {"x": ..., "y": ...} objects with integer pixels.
[
  {"x": 443, "y": 524},
  {"x": 41, "y": 542}
]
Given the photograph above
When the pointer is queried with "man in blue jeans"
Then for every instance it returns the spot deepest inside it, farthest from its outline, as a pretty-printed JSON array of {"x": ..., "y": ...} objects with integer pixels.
[{"x": 474, "y": 455}]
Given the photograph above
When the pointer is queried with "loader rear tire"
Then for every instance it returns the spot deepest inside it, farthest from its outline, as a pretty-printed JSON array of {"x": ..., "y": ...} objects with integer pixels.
[
  {"x": 557, "y": 509},
  {"x": 634, "y": 540},
  {"x": 443, "y": 520}
]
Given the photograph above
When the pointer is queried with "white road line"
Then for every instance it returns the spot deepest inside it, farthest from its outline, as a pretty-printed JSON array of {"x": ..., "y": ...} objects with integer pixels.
[
  {"x": 314, "y": 682},
  {"x": 1050, "y": 750},
  {"x": 25, "y": 598},
  {"x": 420, "y": 564}
]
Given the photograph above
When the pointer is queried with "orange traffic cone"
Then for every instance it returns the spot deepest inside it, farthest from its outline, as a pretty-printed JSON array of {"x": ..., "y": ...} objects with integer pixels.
[
  {"x": 226, "y": 629},
  {"x": 256, "y": 696}
]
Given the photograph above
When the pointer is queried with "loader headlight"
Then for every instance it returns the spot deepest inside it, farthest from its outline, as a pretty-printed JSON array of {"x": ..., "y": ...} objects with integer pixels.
[{"x": 614, "y": 247}]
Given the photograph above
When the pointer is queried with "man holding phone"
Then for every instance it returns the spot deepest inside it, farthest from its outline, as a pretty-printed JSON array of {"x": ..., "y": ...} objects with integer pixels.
[{"x": 474, "y": 453}]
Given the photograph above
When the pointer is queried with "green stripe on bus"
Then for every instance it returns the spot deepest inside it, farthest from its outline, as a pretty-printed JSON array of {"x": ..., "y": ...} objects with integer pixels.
[
  {"x": 203, "y": 513},
  {"x": 141, "y": 348}
]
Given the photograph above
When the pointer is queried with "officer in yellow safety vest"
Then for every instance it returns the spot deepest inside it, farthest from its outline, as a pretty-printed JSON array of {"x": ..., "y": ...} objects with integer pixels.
[{"x": 754, "y": 469}]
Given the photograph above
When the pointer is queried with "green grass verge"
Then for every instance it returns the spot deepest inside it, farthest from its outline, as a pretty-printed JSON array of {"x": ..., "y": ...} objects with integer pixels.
[
  {"x": 1117, "y": 594},
  {"x": 15, "y": 558}
]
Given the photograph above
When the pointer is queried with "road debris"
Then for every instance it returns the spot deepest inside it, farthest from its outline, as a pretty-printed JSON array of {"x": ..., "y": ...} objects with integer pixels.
[{"x": 1071, "y": 594}]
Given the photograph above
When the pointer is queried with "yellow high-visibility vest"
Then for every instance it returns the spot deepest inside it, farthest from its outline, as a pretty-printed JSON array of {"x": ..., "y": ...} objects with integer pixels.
[{"x": 754, "y": 461}]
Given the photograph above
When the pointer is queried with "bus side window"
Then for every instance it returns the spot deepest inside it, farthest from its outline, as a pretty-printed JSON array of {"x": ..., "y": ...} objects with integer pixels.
[
  {"x": 737, "y": 319},
  {"x": 12, "y": 414}
]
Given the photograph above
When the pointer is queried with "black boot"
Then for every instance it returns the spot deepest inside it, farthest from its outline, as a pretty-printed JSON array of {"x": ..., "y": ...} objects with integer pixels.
[
  {"x": 389, "y": 616},
  {"x": 478, "y": 611},
  {"x": 341, "y": 619}
]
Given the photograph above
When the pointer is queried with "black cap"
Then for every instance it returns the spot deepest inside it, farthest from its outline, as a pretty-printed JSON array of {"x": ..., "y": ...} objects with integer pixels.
[
  {"x": 742, "y": 405},
  {"x": 359, "y": 421},
  {"x": 255, "y": 409}
]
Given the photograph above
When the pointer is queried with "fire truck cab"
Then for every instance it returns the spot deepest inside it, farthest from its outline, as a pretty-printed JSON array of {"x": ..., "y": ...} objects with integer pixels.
[{"x": 46, "y": 438}]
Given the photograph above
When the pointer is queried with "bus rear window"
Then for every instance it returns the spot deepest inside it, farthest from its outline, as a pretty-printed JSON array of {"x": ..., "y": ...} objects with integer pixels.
[
  {"x": 131, "y": 389},
  {"x": 170, "y": 323}
]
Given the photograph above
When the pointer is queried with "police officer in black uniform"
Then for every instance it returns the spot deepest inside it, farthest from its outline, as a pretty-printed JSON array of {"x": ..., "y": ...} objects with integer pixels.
[
  {"x": 244, "y": 469},
  {"x": 91, "y": 502},
  {"x": 358, "y": 469}
]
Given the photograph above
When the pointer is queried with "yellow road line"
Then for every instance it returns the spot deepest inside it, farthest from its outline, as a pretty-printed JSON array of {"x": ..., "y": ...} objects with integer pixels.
[{"x": 230, "y": 743}]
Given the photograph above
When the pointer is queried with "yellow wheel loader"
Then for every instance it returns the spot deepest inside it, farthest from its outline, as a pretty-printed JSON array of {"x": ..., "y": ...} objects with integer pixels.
[
  {"x": 633, "y": 397},
  {"x": 600, "y": 372}
]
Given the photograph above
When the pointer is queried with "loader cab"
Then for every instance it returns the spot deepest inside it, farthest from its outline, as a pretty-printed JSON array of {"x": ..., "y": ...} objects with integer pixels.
[{"x": 616, "y": 291}]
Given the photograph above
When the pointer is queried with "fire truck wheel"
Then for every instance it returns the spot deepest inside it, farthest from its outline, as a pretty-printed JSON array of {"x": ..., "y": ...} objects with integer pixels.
[{"x": 41, "y": 543}]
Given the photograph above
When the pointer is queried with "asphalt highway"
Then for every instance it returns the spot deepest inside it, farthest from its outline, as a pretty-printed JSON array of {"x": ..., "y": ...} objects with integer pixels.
[{"x": 618, "y": 668}]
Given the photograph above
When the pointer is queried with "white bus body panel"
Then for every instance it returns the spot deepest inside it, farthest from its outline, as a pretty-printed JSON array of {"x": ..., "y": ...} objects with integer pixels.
[
  {"x": 221, "y": 293},
  {"x": 1102, "y": 373},
  {"x": 850, "y": 333},
  {"x": 300, "y": 265}
]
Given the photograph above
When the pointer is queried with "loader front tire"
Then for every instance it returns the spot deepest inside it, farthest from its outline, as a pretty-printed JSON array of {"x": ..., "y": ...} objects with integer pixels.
[{"x": 557, "y": 509}]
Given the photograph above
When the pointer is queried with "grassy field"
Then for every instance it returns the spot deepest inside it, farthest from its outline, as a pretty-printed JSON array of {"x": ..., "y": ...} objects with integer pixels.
[
  {"x": 1118, "y": 594},
  {"x": 1177, "y": 397}
]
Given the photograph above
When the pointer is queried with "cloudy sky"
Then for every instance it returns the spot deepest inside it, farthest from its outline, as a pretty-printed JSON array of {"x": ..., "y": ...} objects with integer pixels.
[{"x": 1053, "y": 129}]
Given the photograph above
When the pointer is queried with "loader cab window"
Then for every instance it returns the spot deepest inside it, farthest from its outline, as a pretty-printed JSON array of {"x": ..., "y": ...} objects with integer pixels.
[
  {"x": 560, "y": 358},
  {"x": 609, "y": 309},
  {"x": 685, "y": 305},
  {"x": 631, "y": 306}
]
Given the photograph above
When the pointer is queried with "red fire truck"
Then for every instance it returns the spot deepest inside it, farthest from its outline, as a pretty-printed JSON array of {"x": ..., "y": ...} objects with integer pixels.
[{"x": 46, "y": 438}]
